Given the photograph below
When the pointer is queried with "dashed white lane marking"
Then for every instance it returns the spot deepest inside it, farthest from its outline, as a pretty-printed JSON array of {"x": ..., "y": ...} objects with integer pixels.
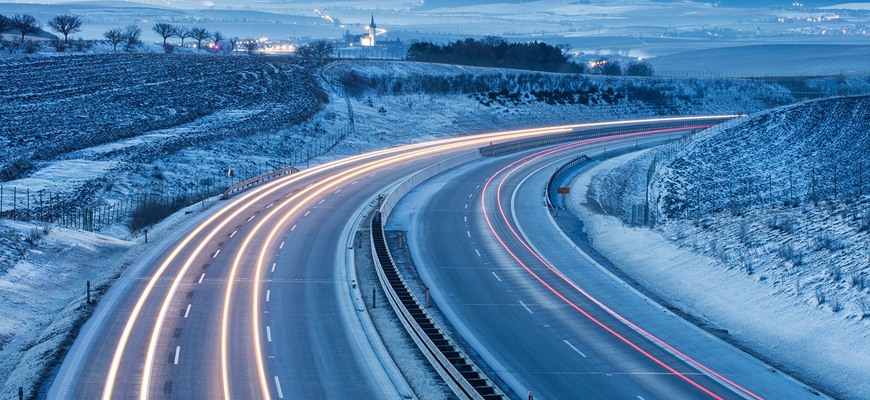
[
  {"x": 354, "y": 182},
  {"x": 577, "y": 350},
  {"x": 216, "y": 253},
  {"x": 234, "y": 233},
  {"x": 287, "y": 195},
  {"x": 321, "y": 201},
  {"x": 478, "y": 252},
  {"x": 470, "y": 195},
  {"x": 477, "y": 187},
  {"x": 187, "y": 311},
  {"x": 177, "y": 353},
  {"x": 278, "y": 386},
  {"x": 496, "y": 276},
  {"x": 281, "y": 246},
  {"x": 201, "y": 277},
  {"x": 465, "y": 218},
  {"x": 270, "y": 205},
  {"x": 640, "y": 398},
  {"x": 306, "y": 213},
  {"x": 252, "y": 217},
  {"x": 273, "y": 266},
  {"x": 294, "y": 227},
  {"x": 526, "y": 307},
  {"x": 337, "y": 191},
  {"x": 469, "y": 233},
  {"x": 466, "y": 206},
  {"x": 268, "y": 333},
  {"x": 268, "y": 294}
]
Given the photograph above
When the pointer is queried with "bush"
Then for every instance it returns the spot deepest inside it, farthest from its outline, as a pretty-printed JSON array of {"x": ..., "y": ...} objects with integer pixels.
[
  {"x": 827, "y": 241},
  {"x": 789, "y": 253},
  {"x": 785, "y": 224}
]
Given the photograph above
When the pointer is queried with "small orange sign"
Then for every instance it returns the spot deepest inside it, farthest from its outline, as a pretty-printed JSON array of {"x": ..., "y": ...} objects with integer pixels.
[{"x": 564, "y": 190}]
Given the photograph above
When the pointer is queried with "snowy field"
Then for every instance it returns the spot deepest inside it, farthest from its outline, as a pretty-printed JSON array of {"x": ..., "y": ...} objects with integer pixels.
[
  {"x": 770, "y": 216},
  {"x": 182, "y": 122},
  {"x": 767, "y": 60},
  {"x": 631, "y": 28}
]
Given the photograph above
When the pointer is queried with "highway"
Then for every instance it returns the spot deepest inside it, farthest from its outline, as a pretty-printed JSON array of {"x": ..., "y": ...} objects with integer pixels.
[
  {"x": 543, "y": 315},
  {"x": 253, "y": 298}
]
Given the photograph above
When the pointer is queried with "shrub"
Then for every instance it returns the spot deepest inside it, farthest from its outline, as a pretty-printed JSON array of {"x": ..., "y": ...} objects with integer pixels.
[
  {"x": 789, "y": 253},
  {"x": 827, "y": 241},
  {"x": 785, "y": 224},
  {"x": 858, "y": 281}
]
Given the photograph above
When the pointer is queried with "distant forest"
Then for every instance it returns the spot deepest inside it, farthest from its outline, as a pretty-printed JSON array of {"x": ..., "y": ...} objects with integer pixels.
[{"x": 496, "y": 52}]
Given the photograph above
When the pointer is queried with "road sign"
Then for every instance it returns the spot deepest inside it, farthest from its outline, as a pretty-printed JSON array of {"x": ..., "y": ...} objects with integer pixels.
[{"x": 564, "y": 190}]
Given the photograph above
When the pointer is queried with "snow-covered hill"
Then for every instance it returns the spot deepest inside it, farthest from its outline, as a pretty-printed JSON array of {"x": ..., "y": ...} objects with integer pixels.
[{"x": 780, "y": 202}]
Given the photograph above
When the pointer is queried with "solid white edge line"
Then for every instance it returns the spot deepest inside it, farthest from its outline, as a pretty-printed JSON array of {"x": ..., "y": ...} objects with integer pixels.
[
  {"x": 278, "y": 387},
  {"x": 177, "y": 353}
]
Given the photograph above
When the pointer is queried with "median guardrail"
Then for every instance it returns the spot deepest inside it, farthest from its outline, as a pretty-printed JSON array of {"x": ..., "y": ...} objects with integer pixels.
[{"x": 459, "y": 372}]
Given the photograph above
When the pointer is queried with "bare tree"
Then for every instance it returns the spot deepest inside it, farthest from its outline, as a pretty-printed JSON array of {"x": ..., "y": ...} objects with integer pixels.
[
  {"x": 251, "y": 45},
  {"x": 217, "y": 36},
  {"x": 26, "y": 24},
  {"x": 115, "y": 36},
  {"x": 5, "y": 24},
  {"x": 65, "y": 25},
  {"x": 165, "y": 31},
  {"x": 182, "y": 34},
  {"x": 318, "y": 49},
  {"x": 199, "y": 34},
  {"x": 132, "y": 33},
  {"x": 233, "y": 42},
  {"x": 639, "y": 68}
]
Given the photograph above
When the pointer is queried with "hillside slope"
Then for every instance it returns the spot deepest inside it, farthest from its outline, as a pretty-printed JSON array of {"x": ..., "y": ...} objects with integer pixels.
[{"x": 776, "y": 210}]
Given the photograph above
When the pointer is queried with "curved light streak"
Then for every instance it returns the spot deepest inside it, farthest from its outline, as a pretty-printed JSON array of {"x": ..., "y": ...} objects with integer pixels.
[
  {"x": 517, "y": 165},
  {"x": 251, "y": 198}
]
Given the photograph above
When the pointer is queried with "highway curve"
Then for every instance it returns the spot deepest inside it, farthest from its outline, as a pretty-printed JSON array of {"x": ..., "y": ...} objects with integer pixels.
[
  {"x": 253, "y": 299},
  {"x": 541, "y": 313}
]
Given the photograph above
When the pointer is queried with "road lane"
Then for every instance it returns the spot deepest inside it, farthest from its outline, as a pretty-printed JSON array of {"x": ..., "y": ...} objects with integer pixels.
[
  {"x": 530, "y": 324},
  {"x": 215, "y": 324}
]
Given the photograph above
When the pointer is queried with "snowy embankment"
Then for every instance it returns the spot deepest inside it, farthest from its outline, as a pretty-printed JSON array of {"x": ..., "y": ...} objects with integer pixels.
[
  {"x": 761, "y": 228},
  {"x": 100, "y": 133}
]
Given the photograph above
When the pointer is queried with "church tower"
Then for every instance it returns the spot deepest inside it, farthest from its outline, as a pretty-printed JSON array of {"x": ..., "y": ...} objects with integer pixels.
[{"x": 372, "y": 31}]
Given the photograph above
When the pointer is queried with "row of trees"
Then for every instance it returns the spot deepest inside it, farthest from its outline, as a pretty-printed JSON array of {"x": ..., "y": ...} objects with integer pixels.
[
  {"x": 493, "y": 51},
  {"x": 27, "y": 24},
  {"x": 66, "y": 25},
  {"x": 604, "y": 66}
]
